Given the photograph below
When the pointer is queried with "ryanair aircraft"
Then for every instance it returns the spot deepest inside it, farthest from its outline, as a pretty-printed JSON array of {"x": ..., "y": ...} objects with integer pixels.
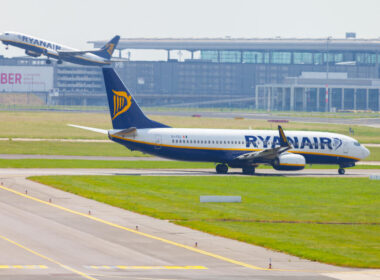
[
  {"x": 245, "y": 149},
  {"x": 36, "y": 47}
]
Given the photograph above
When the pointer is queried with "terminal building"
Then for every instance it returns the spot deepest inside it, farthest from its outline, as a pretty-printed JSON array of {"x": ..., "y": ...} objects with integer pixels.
[{"x": 263, "y": 74}]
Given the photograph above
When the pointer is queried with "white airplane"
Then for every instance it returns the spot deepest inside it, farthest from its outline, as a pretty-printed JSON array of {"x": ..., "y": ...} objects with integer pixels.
[
  {"x": 36, "y": 47},
  {"x": 244, "y": 149}
]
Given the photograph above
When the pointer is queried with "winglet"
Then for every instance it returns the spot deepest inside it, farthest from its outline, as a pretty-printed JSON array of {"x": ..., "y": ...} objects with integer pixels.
[{"x": 283, "y": 140}]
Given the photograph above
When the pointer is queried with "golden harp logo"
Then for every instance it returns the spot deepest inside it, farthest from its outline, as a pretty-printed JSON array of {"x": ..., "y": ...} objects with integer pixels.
[
  {"x": 110, "y": 48},
  {"x": 121, "y": 103}
]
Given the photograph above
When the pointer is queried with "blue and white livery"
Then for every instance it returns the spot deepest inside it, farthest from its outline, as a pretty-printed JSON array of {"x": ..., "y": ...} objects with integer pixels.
[
  {"x": 244, "y": 149},
  {"x": 36, "y": 47}
]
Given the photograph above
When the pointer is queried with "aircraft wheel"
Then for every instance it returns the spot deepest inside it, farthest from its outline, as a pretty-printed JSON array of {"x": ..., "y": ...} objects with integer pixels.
[
  {"x": 59, "y": 62},
  {"x": 341, "y": 171},
  {"x": 221, "y": 168},
  {"x": 249, "y": 170},
  {"x": 48, "y": 61}
]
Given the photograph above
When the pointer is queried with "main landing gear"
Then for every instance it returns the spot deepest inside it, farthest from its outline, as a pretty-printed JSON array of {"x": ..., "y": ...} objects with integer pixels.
[
  {"x": 341, "y": 171},
  {"x": 48, "y": 61},
  {"x": 249, "y": 170},
  {"x": 221, "y": 168},
  {"x": 59, "y": 61}
]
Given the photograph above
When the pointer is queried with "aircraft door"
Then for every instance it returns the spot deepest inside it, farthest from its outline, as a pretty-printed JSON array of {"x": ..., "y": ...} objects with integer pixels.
[{"x": 158, "y": 142}]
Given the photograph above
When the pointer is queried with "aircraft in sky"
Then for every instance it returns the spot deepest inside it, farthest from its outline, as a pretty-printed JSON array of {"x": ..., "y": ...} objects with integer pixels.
[
  {"x": 245, "y": 149},
  {"x": 36, "y": 47}
]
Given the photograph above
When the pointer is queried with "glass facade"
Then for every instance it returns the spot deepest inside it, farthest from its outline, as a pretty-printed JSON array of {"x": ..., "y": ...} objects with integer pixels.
[
  {"x": 252, "y": 57},
  {"x": 288, "y": 57},
  {"x": 230, "y": 56},
  {"x": 303, "y": 58},
  {"x": 281, "y": 57}
]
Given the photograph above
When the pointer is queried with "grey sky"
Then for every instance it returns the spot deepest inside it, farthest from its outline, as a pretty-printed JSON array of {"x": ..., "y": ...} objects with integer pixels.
[{"x": 73, "y": 22}]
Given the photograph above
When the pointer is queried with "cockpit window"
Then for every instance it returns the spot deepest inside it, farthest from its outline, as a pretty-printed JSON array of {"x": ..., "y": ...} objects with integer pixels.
[{"x": 356, "y": 143}]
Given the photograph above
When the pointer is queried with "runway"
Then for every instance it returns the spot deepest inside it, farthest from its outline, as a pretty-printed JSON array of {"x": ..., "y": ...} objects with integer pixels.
[{"x": 50, "y": 234}]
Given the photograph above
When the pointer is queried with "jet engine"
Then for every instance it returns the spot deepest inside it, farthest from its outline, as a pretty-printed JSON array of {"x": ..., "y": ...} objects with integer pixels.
[
  {"x": 32, "y": 53},
  {"x": 288, "y": 161}
]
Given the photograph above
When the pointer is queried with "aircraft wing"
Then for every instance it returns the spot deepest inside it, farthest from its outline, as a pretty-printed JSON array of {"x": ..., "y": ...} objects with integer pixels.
[
  {"x": 98, "y": 130},
  {"x": 269, "y": 154}
]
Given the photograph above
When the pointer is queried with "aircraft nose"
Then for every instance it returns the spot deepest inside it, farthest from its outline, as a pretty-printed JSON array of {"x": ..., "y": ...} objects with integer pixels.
[{"x": 365, "y": 152}]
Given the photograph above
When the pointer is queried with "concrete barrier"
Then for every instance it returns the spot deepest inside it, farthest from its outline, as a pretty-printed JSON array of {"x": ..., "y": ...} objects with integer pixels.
[{"x": 219, "y": 198}]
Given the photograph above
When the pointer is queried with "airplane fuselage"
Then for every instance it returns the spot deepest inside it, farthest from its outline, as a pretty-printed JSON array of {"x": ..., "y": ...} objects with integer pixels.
[
  {"x": 35, "y": 47},
  {"x": 221, "y": 145}
]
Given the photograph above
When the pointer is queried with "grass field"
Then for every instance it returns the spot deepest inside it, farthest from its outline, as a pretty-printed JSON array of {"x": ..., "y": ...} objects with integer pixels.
[
  {"x": 135, "y": 164},
  {"x": 67, "y": 148},
  {"x": 54, "y": 125},
  {"x": 321, "y": 219}
]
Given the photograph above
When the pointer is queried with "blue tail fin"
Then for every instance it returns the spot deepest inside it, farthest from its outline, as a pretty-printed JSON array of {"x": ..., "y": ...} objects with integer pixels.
[
  {"x": 125, "y": 112},
  {"x": 107, "y": 50}
]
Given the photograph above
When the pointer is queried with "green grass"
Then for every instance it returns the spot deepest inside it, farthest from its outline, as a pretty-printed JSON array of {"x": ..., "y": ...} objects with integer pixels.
[
  {"x": 66, "y": 163},
  {"x": 305, "y": 201},
  {"x": 375, "y": 154},
  {"x": 135, "y": 164},
  {"x": 67, "y": 148}
]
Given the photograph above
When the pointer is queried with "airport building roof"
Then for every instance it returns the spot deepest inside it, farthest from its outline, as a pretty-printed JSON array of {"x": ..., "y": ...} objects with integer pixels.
[{"x": 194, "y": 44}]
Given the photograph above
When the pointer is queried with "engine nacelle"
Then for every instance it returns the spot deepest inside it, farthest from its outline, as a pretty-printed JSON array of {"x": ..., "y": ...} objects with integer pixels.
[
  {"x": 289, "y": 162},
  {"x": 32, "y": 53}
]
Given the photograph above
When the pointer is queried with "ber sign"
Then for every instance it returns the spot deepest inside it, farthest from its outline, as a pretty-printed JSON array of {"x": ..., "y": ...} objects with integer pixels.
[{"x": 26, "y": 78}]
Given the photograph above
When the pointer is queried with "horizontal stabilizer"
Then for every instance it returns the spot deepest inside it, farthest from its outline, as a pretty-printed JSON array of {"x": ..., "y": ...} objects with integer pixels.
[{"x": 98, "y": 130}]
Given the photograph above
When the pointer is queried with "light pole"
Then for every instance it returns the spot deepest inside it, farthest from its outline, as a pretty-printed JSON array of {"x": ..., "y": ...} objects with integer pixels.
[{"x": 327, "y": 75}]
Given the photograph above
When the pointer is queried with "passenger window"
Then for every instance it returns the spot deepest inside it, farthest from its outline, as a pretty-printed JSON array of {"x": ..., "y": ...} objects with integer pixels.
[
  {"x": 213, "y": 141},
  {"x": 176, "y": 141}
]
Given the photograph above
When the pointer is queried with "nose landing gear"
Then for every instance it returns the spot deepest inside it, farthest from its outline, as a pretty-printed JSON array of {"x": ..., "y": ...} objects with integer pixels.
[
  {"x": 221, "y": 168},
  {"x": 341, "y": 171}
]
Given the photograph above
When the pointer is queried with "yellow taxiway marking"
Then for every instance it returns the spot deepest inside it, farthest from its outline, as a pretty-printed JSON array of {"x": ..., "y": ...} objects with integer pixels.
[
  {"x": 27, "y": 266},
  {"x": 142, "y": 267},
  {"x": 190, "y": 248},
  {"x": 48, "y": 258}
]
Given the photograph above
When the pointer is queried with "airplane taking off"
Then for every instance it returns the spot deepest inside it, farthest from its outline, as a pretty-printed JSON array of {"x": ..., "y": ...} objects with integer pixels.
[
  {"x": 244, "y": 149},
  {"x": 36, "y": 47}
]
